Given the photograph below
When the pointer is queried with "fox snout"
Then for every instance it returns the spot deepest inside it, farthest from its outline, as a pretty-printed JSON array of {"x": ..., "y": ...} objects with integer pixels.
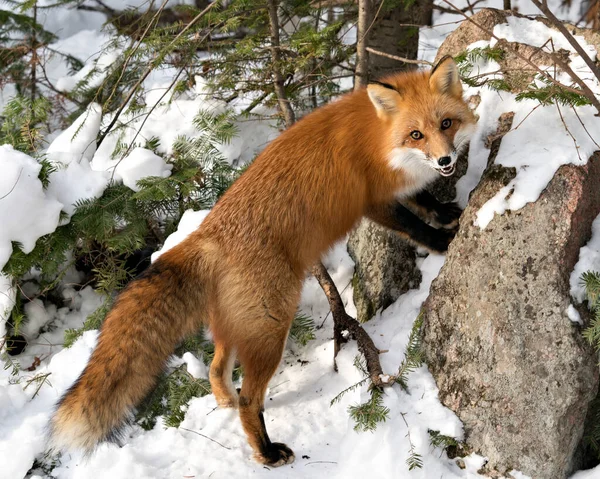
[{"x": 445, "y": 164}]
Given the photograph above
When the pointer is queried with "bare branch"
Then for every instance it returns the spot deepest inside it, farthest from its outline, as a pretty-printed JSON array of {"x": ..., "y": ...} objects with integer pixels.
[
  {"x": 584, "y": 88},
  {"x": 400, "y": 59},
  {"x": 149, "y": 70}
]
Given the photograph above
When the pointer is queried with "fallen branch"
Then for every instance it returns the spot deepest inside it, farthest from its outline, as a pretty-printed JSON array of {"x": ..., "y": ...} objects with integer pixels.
[{"x": 342, "y": 321}]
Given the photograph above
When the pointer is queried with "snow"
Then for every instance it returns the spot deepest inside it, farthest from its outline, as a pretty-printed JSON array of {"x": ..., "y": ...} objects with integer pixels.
[
  {"x": 589, "y": 260},
  {"x": 190, "y": 221},
  {"x": 139, "y": 164},
  {"x": 79, "y": 140},
  {"x": 26, "y": 212},
  {"x": 7, "y": 300},
  {"x": 574, "y": 315},
  {"x": 71, "y": 152}
]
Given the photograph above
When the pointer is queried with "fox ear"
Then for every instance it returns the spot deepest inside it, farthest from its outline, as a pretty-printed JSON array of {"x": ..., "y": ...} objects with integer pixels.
[
  {"x": 383, "y": 97},
  {"x": 444, "y": 78}
]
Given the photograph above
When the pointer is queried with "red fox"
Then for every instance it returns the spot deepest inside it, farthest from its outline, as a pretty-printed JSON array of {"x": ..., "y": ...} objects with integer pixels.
[{"x": 241, "y": 272}]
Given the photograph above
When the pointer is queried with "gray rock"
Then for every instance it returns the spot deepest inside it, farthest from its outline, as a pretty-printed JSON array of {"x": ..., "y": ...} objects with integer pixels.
[
  {"x": 385, "y": 268},
  {"x": 498, "y": 341}
]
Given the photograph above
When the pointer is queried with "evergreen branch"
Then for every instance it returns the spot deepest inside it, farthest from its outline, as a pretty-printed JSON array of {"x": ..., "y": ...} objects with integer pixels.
[{"x": 338, "y": 398}]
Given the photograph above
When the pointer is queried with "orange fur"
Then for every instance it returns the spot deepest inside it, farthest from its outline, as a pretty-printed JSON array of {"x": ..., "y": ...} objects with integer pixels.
[{"x": 241, "y": 272}]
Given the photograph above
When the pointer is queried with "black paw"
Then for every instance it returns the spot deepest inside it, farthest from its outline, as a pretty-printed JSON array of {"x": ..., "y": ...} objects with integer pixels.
[
  {"x": 442, "y": 240},
  {"x": 448, "y": 214},
  {"x": 276, "y": 454}
]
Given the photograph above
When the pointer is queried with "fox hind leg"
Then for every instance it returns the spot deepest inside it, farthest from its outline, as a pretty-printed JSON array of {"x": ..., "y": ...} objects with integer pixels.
[
  {"x": 260, "y": 359},
  {"x": 221, "y": 370}
]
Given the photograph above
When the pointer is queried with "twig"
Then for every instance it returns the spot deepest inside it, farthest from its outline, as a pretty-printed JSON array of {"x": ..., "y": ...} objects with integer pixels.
[
  {"x": 13, "y": 186},
  {"x": 584, "y": 127},
  {"x": 342, "y": 321},
  {"x": 206, "y": 437},
  {"x": 135, "y": 48},
  {"x": 395, "y": 57},
  {"x": 568, "y": 131},
  {"x": 456, "y": 10},
  {"x": 168, "y": 89}
]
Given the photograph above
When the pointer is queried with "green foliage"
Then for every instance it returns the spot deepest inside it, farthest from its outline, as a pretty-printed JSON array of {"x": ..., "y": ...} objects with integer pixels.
[
  {"x": 436, "y": 439},
  {"x": 303, "y": 329},
  {"x": 591, "y": 280},
  {"x": 468, "y": 57},
  {"x": 414, "y": 459},
  {"x": 413, "y": 356},
  {"x": 549, "y": 93},
  {"x": 23, "y": 123},
  {"x": 93, "y": 321},
  {"x": 171, "y": 397},
  {"x": 369, "y": 414}
]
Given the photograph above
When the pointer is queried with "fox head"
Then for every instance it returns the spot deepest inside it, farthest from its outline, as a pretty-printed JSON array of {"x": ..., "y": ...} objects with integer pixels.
[{"x": 429, "y": 122}]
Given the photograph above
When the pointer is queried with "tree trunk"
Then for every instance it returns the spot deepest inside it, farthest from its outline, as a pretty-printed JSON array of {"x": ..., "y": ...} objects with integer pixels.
[{"x": 395, "y": 31}]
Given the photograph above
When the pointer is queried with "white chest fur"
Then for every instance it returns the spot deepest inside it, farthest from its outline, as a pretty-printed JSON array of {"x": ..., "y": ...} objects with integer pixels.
[{"x": 413, "y": 165}]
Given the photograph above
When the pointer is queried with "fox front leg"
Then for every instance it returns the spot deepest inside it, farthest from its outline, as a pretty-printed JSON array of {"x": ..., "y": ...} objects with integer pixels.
[
  {"x": 397, "y": 217},
  {"x": 446, "y": 215}
]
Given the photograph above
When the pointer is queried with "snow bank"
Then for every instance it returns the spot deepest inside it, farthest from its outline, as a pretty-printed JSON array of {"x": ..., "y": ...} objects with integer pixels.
[
  {"x": 190, "y": 221},
  {"x": 139, "y": 164},
  {"x": 79, "y": 140},
  {"x": 26, "y": 212},
  {"x": 25, "y": 408}
]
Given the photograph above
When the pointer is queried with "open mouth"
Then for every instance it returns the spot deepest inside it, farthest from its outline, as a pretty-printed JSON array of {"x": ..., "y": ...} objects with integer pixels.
[{"x": 447, "y": 170}]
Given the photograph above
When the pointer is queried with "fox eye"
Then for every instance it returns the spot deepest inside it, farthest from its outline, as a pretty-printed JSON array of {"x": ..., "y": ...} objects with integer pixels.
[
  {"x": 447, "y": 123},
  {"x": 416, "y": 135}
]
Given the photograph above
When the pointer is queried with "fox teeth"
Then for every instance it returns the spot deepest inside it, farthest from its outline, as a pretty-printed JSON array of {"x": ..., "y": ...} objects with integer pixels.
[{"x": 448, "y": 171}]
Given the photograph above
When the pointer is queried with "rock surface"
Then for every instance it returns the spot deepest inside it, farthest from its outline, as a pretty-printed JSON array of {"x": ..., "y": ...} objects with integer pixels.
[
  {"x": 505, "y": 356},
  {"x": 385, "y": 268}
]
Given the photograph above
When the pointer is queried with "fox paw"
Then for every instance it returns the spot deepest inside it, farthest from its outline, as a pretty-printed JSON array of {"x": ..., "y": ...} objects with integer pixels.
[
  {"x": 275, "y": 455},
  {"x": 447, "y": 216},
  {"x": 442, "y": 240}
]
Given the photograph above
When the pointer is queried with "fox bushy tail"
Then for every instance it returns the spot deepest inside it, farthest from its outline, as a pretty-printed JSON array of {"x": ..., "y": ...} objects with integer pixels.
[{"x": 150, "y": 317}]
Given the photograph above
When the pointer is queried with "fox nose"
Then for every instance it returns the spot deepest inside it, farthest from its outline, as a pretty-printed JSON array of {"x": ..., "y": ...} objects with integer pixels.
[{"x": 444, "y": 161}]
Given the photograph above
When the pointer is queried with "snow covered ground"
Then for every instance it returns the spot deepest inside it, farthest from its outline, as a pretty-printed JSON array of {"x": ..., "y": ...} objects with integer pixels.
[{"x": 210, "y": 442}]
